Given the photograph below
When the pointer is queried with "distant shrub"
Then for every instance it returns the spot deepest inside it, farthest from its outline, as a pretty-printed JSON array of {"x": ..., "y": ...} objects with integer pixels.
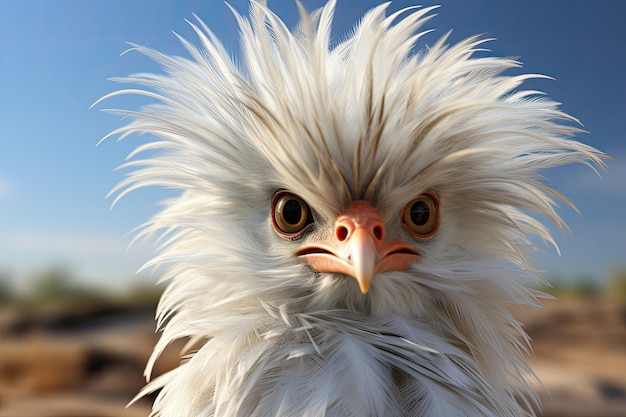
[
  {"x": 617, "y": 284},
  {"x": 54, "y": 283},
  {"x": 581, "y": 286},
  {"x": 143, "y": 294},
  {"x": 7, "y": 293},
  {"x": 586, "y": 286}
]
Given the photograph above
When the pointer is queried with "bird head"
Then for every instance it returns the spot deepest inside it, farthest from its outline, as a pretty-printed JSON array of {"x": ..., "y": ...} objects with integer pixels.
[{"x": 356, "y": 211}]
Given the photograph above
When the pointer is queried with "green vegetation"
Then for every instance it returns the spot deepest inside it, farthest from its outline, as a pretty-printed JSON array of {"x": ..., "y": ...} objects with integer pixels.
[
  {"x": 586, "y": 286},
  {"x": 57, "y": 285},
  {"x": 582, "y": 286},
  {"x": 616, "y": 286},
  {"x": 6, "y": 290}
]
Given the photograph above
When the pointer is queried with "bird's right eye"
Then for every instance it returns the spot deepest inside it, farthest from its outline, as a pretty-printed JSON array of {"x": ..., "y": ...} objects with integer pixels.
[{"x": 291, "y": 215}]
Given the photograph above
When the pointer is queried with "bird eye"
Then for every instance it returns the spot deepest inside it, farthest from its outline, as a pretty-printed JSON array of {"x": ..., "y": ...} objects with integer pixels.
[
  {"x": 421, "y": 216},
  {"x": 291, "y": 215}
]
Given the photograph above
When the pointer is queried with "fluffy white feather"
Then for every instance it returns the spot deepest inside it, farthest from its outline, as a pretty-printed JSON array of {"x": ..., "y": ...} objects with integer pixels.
[{"x": 366, "y": 118}]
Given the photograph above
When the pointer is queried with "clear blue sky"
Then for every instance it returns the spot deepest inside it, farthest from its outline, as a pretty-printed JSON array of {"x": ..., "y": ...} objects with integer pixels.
[{"x": 56, "y": 56}]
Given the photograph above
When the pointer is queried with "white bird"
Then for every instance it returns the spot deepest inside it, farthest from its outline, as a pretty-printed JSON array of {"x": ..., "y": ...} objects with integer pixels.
[{"x": 353, "y": 219}]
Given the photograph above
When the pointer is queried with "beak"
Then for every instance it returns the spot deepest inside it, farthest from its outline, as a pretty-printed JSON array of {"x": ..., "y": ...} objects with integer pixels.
[{"x": 358, "y": 247}]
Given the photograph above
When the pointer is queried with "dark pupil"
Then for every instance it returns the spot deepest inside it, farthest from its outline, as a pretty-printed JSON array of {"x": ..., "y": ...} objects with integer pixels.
[
  {"x": 292, "y": 212},
  {"x": 419, "y": 213}
]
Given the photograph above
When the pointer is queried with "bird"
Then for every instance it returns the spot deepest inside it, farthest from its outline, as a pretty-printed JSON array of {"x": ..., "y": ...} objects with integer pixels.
[{"x": 352, "y": 220}]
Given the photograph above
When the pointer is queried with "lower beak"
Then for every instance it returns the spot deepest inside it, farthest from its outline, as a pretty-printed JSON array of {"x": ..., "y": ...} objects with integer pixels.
[{"x": 358, "y": 247}]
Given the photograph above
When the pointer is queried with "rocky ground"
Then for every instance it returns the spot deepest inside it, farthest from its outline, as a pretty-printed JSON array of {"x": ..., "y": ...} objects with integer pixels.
[{"x": 87, "y": 361}]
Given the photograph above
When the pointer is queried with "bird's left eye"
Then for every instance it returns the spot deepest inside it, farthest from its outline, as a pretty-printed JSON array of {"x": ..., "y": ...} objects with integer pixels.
[
  {"x": 421, "y": 216},
  {"x": 291, "y": 215}
]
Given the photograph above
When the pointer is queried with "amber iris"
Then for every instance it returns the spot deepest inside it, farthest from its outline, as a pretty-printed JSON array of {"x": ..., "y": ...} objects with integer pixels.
[
  {"x": 291, "y": 214},
  {"x": 421, "y": 216}
]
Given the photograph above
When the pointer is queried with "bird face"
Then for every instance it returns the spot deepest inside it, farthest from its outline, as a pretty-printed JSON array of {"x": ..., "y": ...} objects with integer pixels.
[{"x": 357, "y": 244}]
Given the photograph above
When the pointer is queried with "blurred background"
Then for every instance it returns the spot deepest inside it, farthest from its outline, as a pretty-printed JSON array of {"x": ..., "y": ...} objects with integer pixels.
[{"x": 76, "y": 320}]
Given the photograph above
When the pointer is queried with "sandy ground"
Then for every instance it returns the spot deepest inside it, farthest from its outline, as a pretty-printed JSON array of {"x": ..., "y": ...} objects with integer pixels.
[
  {"x": 580, "y": 357},
  {"x": 88, "y": 361}
]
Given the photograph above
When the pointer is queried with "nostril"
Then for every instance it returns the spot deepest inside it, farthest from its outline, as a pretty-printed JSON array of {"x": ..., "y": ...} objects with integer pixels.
[
  {"x": 342, "y": 233},
  {"x": 378, "y": 232}
]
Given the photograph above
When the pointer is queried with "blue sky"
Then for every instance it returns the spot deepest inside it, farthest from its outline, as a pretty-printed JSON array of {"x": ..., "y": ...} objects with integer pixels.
[{"x": 56, "y": 57}]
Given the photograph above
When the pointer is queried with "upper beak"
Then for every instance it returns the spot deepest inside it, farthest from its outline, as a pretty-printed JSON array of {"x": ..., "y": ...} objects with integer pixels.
[{"x": 358, "y": 247}]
